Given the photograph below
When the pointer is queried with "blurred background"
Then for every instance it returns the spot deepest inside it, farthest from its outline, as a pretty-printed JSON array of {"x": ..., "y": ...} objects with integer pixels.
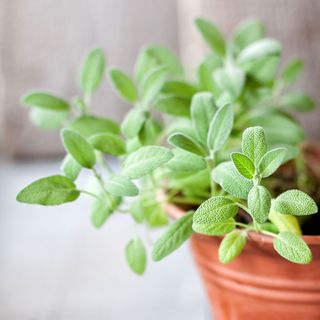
[{"x": 53, "y": 263}]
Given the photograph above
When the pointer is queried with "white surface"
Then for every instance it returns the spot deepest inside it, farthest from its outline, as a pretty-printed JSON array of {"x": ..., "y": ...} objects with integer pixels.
[{"x": 55, "y": 265}]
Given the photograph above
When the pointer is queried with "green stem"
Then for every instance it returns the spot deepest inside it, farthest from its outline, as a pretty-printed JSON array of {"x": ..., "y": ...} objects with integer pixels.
[
  {"x": 211, "y": 165},
  {"x": 89, "y": 193}
]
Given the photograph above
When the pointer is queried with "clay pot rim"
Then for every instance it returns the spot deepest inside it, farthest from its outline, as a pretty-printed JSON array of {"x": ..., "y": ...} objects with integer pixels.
[{"x": 176, "y": 212}]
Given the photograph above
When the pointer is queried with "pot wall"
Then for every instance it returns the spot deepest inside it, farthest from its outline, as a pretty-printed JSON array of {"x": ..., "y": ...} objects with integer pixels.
[{"x": 258, "y": 284}]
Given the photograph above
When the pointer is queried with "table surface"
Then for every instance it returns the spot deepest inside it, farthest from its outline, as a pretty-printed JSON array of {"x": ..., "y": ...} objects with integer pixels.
[{"x": 55, "y": 265}]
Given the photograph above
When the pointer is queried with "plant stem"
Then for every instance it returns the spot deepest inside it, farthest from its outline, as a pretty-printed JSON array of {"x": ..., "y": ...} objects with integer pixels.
[
  {"x": 89, "y": 193},
  {"x": 211, "y": 165}
]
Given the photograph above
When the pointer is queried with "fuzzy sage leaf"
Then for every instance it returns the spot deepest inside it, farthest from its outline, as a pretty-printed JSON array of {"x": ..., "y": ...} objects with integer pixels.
[
  {"x": 92, "y": 71},
  {"x": 145, "y": 160},
  {"x": 176, "y": 234},
  {"x": 215, "y": 229},
  {"x": 243, "y": 164},
  {"x": 136, "y": 256},
  {"x": 78, "y": 148},
  {"x": 184, "y": 142},
  {"x": 123, "y": 85},
  {"x": 45, "y": 100},
  {"x": 49, "y": 191},
  {"x": 121, "y": 186},
  {"x": 259, "y": 203},
  {"x": 231, "y": 246},
  {"x": 108, "y": 143},
  {"x": 271, "y": 161},
  {"x": 220, "y": 127},
  {"x": 214, "y": 210},
  {"x": 295, "y": 202},
  {"x": 292, "y": 247}
]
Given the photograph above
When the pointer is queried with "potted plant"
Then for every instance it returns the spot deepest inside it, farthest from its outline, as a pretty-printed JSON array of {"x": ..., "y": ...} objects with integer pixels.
[{"x": 235, "y": 173}]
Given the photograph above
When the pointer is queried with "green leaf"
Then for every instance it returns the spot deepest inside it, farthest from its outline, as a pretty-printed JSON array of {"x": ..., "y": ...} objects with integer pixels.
[
  {"x": 279, "y": 129},
  {"x": 254, "y": 144},
  {"x": 150, "y": 132},
  {"x": 90, "y": 125},
  {"x": 231, "y": 181},
  {"x": 259, "y": 203},
  {"x": 136, "y": 256},
  {"x": 123, "y": 85},
  {"x": 121, "y": 186},
  {"x": 154, "y": 214},
  {"x": 231, "y": 246},
  {"x": 247, "y": 32},
  {"x": 49, "y": 191},
  {"x": 271, "y": 161},
  {"x": 298, "y": 101},
  {"x": 45, "y": 101},
  {"x": 231, "y": 80},
  {"x": 263, "y": 69},
  {"x": 215, "y": 229},
  {"x": 292, "y": 247},
  {"x": 136, "y": 211},
  {"x": 214, "y": 210},
  {"x": 92, "y": 71},
  {"x": 179, "y": 88},
  {"x": 205, "y": 71},
  {"x": 259, "y": 49},
  {"x": 186, "y": 161},
  {"x": 145, "y": 160},
  {"x": 202, "y": 110},
  {"x": 47, "y": 119},
  {"x": 174, "y": 105},
  {"x": 212, "y": 36},
  {"x": 78, "y": 148},
  {"x": 296, "y": 203},
  {"x": 151, "y": 84},
  {"x": 184, "y": 142},
  {"x": 175, "y": 235},
  {"x": 220, "y": 127},
  {"x": 70, "y": 167},
  {"x": 243, "y": 164},
  {"x": 157, "y": 56},
  {"x": 285, "y": 222},
  {"x": 133, "y": 122},
  {"x": 108, "y": 143},
  {"x": 100, "y": 212},
  {"x": 292, "y": 71}
]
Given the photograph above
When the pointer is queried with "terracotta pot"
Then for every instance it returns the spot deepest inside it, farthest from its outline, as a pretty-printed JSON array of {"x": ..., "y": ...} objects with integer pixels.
[{"x": 258, "y": 284}]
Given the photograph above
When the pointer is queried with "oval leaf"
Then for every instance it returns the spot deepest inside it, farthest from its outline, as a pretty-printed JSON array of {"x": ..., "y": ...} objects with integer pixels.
[
  {"x": 212, "y": 36},
  {"x": 243, "y": 164},
  {"x": 220, "y": 128},
  {"x": 92, "y": 71},
  {"x": 121, "y": 186},
  {"x": 254, "y": 144},
  {"x": 296, "y": 203},
  {"x": 70, "y": 167},
  {"x": 292, "y": 247},
  {"x": 174, "y": 105},
  {"x": 292, "y": 71},
  {"x": 182, "y": 141},
  {"x": 186, "y": 161},
  {"x": 123, "y": 85},
  {"x": 49, "y": 191},
  {"x": 145, "y": 160},
  {"x": 285, "y": 222},
  {"x": 231, "y": 246},
  {"x": 175, "y": 235},
  {"x": 48, "y": 119},
  {"x": 136, "y": 256},
  {"x": 259, "y": 203},
  {"x": 271, "y": 161},
  {"x": 78, "y": 148},
  {"x": 108, "y": 143},
  {"x": 45, "y": 100},
  {"x": 215, "y": 229},
  {"x": 214, "y": 210},
  {"x": 90, "y": 125},
  {"x": 133, "y": 122},
  {"x": 231, "y": 181},
  {"x": 202, "y": 111}
]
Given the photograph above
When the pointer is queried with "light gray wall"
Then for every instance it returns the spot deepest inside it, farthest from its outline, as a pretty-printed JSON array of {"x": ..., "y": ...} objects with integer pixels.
[{"x": 42, "y": 43}]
